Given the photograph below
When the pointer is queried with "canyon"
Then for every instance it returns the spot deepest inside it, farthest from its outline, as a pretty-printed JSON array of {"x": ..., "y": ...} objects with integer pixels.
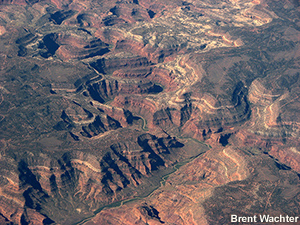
[{"x": 148, "y": 112}]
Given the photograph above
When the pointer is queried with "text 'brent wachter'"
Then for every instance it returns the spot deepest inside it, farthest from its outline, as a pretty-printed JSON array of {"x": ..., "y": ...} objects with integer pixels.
[{"x": 264, "y": 219}]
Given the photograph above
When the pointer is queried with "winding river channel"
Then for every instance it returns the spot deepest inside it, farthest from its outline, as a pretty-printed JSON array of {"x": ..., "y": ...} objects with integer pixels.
[{"x": 162, "y": 183}]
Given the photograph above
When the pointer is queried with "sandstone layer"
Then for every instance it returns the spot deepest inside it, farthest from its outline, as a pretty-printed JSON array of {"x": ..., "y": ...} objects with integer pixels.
[{"x": 148, "y": 112}]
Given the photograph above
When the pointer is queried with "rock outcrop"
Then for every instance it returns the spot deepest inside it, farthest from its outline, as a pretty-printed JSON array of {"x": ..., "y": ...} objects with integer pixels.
[{"x": 178, "y": 112}]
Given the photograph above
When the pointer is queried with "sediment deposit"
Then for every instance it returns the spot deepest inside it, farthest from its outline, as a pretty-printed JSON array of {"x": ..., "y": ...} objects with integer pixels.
[{"x": 148, "y": 112}]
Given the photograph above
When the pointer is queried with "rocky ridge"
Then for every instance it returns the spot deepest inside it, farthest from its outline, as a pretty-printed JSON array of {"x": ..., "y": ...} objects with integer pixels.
[{"x": 100, "y": 100}]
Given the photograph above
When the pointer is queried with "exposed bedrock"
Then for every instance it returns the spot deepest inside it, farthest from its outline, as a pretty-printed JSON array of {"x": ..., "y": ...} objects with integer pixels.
[
  {"x": 205, "y": 113},
  {"x": 105, "y": 90},
  {"x": 18, "y": 2},
  {"x": 150, "y": 212},
  {"x": 180, "y": 199},
  {"x": 153, "y": 74},
  {"x": 26, "y": 39},
  {"x": 44, "y": 187},
  {"x": 59, "y": 16},
  {"x": 79, "y": 48},
  {"x": 62, "y": 44},
  {"x": 193, "y": 115},
  {"x": 83, "y": 20},
  {"x": 65, "y": 124},
  {"x": 129, "y": 13},
  {"x": 99, "y": 126},
  {"x": 83, "y": 123},
  {"x": 205, "y": 190},
  {"x": 109, "y": 65},
  {"x": 163, "y": 118},
  {"x": 288, "y": 156},
  {"x": 266, "y": 179},
  {"x": 192, "y": 111},
  {"x": 138, "y": 73},
  {"x": 274, "y": 114},
  {"x": 138, "y": 106},
  {"x": 154, "y": 54},
  {"x": 185, "y": 113},
  {"x": 82, "y": 81}
]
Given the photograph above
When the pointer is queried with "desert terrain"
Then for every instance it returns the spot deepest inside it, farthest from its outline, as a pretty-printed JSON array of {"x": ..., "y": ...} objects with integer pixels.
[{"x": 148, "y": 112}]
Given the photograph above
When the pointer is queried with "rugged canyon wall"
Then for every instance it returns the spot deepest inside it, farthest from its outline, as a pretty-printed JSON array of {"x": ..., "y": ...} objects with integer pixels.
[{"x": 148, "y": 112}]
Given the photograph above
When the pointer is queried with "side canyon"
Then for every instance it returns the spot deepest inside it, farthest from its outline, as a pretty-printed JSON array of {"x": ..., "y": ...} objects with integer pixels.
[{"x": 148, "y": 112}]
